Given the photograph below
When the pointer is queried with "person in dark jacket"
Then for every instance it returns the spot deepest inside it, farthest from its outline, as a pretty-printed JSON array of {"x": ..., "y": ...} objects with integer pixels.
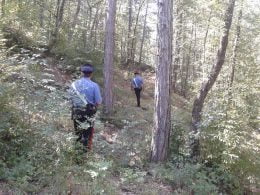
[{"x": 137, "y": 84}]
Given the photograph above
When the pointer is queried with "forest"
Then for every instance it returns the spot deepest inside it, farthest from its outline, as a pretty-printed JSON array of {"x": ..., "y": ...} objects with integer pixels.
[{"x": 197, "y": 130}]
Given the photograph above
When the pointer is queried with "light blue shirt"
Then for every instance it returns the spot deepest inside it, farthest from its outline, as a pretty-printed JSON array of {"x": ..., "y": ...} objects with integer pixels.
[
  {"x": 88, "y": 89},
  {"x": 137, "y": 82}
]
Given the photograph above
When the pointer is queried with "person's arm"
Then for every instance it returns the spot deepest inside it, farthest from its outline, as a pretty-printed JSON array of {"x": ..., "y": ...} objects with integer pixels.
[{"x": 98, "y": 98}]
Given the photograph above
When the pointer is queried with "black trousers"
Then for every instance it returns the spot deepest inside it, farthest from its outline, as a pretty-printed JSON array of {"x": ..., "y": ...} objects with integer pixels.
[{"x": 138, "y": 95}]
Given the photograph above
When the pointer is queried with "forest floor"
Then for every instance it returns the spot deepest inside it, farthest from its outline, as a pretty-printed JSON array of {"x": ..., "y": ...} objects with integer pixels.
[{"x": 119, "y": 161}]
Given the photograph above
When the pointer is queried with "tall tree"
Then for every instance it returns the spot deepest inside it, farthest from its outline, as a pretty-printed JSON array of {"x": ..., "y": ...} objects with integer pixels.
[
  {"x": 41, "y": 13},
  {"x": 109, "y": 56},
  {"x": 234, "y": 60},
  {"x": 58, "y": 21},
  {"x": 3, "y": 8},
  {"x": 130, "y": 20},
  {"x": 74, "y": 22},
  {"x": 178, "y": 44},
  {"x": 184, "y": 78},
  {"x": 143, "y": 36},
  {"x": 162, "y": 119},
  {"x": 133, "y": 44},
  {"x": 235, "y": 48},
  {"x": 206, "y": 36},
  {"x": 207, "y": 84}
]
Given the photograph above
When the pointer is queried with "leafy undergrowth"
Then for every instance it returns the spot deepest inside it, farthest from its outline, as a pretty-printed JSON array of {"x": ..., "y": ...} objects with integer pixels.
[{"x": 38, "y": 143}]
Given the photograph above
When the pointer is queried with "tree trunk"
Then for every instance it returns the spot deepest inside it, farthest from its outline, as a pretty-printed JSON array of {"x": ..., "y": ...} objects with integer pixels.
[
  {"x": 86, "y": 23},
  {"x": 234, "y": 61},
  {"x": 143, "y": 36},
  {"x": 236, "y": 43},
  {"x": 93, "y": 24},
  {"x": 74, "y": 22},
  {"x": 58, "y": 22},
  {"x": 133, "y": 45},
  {"x": 207, "y": 85},
  {"x": 95, "y": 30},
  {"x": 3, "y": 8},
  {"x": 122, "y": 46},
  {"x": 41, "y": 14},
  {"x": 109, "y": 56},
  {"x": 177, "y": 50},
  {"x": 205, "y": 38},
  {"x": 87, "y": 32},
  {"x": 187, "y": 67},
  {"x": 162, "y": 118},
  {"x": 130, "y": 9},
  {"x": 194, "y": 74}
]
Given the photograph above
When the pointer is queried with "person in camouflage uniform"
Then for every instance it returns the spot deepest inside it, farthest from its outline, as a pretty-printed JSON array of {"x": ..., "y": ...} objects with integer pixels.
[{"x": 85, "y": 97}]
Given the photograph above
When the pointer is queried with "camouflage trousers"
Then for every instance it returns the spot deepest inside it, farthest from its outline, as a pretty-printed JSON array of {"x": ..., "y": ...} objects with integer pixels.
[{"x": 84, "y": 129}]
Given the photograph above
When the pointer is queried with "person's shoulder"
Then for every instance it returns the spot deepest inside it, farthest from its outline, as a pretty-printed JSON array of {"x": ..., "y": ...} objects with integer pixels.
[
  {"x": 78, "y": 80},
  {"x": 75, "y": 82},
  {"x": 94, "y": 83}
]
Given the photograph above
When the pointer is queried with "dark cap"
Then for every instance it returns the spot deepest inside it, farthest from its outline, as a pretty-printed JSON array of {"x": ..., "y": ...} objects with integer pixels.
[
  {"x": 136, "y": 72},
  {"x": 87, "y": 68}
]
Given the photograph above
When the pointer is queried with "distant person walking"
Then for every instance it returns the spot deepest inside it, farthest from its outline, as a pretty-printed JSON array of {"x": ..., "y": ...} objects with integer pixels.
[
  {"x": 137, "y": 84},
  {"x": 85, "y": 98}
]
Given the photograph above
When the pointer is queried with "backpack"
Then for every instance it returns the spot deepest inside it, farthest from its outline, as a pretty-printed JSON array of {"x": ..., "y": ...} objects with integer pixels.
[{"x": 87, "y": 110}]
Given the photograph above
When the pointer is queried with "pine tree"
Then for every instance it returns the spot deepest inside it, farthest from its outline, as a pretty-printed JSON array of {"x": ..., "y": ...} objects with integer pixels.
[
  {"x": 109, "y": 56},
  {"x": 162, "y": 119}
]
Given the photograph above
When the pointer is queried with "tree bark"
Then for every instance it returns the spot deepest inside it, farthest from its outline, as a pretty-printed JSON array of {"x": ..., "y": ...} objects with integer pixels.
[
  {"x": 162, "y": 118},
  {"x": 58, "y": 22},
  {"x": 194, "y": 74},
  {"x": 109, "y": 57},
  {"x": 74, "y": 22},
  {"x": 187, "y": 67},
  {"x": 206, "y": 36},
  {"x": 207, "y": 85},
  {"x": 94, "y": 24},
  {"x": 41, "y": 14},
  {"x": 95, "y": 30},
  {"x": 235, "y": 48},
  {"x": 143, "y": 36},
  {"x": 133, "y": 45},
  {"x": 3, "y": 8},
  {"x": 130, "y": 10},
  {"x": 177, "y": 49},
  {"x": 234, "y": 61}
]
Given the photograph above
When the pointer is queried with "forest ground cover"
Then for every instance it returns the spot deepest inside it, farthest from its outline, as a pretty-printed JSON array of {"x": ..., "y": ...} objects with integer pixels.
[
  {"x": 44, "y": 160},
  {"x": 39, "y": 149}
]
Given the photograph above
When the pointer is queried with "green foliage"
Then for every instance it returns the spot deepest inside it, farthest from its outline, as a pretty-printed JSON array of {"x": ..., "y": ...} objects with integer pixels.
[
  {"x": 130, "y": 175},
  {"x": 17, "y": 38},
  {"x": 177, "y": 146},
  {"x": 36, "y": 152},
  {"x": 31, "y": 160},
  {"x": 15, "y": 145},
  {"x": 37, "y": 145},
  {"x": 198, "y": 178}
]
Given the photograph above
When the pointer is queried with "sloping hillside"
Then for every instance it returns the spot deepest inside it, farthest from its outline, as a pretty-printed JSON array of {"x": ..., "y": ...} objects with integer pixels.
[{"x": 51, "y": 164}]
